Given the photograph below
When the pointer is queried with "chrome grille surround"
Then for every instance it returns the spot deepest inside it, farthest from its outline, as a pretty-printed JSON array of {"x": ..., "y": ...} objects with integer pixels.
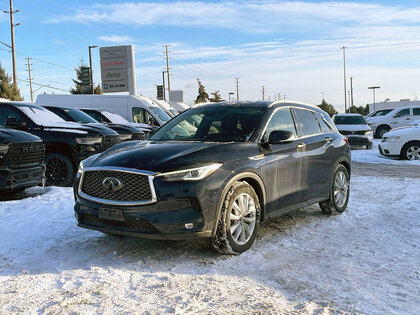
[{"x": 150, "y": 177}]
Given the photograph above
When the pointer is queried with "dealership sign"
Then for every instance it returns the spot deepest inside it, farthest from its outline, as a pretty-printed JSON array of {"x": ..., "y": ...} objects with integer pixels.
[{"x": 118, "y": 69}]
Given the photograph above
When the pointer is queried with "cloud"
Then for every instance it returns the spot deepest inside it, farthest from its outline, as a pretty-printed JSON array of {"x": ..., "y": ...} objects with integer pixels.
[
  {"x": 116, "y": 39},
  {"x": 249, "y": 16}
]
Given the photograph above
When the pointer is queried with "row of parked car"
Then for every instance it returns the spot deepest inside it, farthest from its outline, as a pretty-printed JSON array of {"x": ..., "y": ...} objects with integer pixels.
[{"x": 46, "y": 143}]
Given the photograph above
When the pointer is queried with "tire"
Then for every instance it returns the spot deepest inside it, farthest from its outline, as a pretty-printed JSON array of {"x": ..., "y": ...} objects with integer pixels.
[
  {"x": 59, "y": 170},
  {"x": 411, "y": 151},
  {"x": 368, "y": 146},
  {"x": 339, "y": 192},
  {"x": 231, "y": 235},
  {"x": 381, "y": 131}
]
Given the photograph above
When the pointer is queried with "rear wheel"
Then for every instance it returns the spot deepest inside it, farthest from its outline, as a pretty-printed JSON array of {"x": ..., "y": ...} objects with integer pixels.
[
  {"x": 411, "y": 151},
  {"x": 339, "y": 193},
  {"x": 239, "y": 220},
  {"x": 59, "y": 170}
]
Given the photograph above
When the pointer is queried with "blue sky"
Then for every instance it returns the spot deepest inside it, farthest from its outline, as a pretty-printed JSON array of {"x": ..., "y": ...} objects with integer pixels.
[{"x": 290, "y": 47}]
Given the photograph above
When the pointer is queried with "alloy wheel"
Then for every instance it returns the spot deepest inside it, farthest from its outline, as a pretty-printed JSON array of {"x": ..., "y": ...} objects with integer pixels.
[
  {"x": 242, "y": 218},
  {"x": 341, "y": 188},
  {"x": 56, "y": 171},
  {"x": 413, "y": 153}
]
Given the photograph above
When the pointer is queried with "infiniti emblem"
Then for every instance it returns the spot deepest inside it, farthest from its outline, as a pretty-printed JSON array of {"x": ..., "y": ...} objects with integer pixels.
[{"x": 112, "y": 184}]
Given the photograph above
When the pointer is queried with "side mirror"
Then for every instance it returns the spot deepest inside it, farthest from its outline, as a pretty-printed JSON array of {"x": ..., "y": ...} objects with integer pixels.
[
  {"x": 14, "y": 123},
  {"x": 279, "y": 136}
]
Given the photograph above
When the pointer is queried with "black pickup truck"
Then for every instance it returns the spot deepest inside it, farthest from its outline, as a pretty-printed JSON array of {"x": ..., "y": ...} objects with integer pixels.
[
  {"x": 21, "y": 161},
  {"x": 66, "y": 143}
]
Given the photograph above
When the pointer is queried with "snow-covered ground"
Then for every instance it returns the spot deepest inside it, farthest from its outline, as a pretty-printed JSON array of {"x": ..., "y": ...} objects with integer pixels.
[
  {"x": 360, "y": 154},
  {"x": 363, "y": 261}
]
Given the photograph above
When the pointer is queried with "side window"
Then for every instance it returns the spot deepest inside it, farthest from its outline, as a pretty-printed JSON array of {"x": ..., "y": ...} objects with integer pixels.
[
  {"x": 8, "y": 113},
  {"x": 148, "y": 117},
  {"x": 139, "y": 115},
  {"x": 322, "y": 123},
  {"x": 416, "y": 111},
  {"x": 402, "y": 113},
  {"x": 281, "y": 120},
  {"x": 306, "y": 122}
]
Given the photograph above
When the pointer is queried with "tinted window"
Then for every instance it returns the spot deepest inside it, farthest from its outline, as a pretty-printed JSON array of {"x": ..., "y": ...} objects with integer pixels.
[
  {"x": 416, "y": 111},
  {"x": 306, "y": 122},
  {"x": 324, "y": 126},
  {"x": 349, "y": 120},
  {"x": 79, "y": 116},
  {"x": 281, "y": 120},
  {"x": 216, "y": 124},
  {"x": 402, "y": 113},
  {"x": 97, "y": 116},
  {"x": 8, "y": 113}
]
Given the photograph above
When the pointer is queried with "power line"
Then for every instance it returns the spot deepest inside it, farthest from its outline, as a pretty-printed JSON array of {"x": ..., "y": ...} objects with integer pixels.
[{"x": 44, "y": 85}]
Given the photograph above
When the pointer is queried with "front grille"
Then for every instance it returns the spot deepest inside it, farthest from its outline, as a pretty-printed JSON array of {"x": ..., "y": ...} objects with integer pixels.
[
  {"x": 360, "y": 133},
  {"x": 138, "y": 136},
  {"x": 129, "y": 225},
  {"x": 135, "y": 187},
  {"x": 109, "y": 141},
  {"x": 20, "y": 154}
]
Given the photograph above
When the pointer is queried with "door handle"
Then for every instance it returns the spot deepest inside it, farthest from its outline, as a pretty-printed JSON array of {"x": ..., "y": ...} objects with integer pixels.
[
  {"x": 408, "y": 119},
  {"x": 301, "y": 145},
  {"x": 328, "y": 139}
]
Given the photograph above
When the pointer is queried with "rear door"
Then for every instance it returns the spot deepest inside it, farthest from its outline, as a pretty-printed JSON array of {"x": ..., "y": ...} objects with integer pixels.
[{"x": 315, "y": 146}]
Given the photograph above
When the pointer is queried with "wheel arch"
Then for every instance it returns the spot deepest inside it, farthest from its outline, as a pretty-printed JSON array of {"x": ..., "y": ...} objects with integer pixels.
[
  {"x": 255, "y": 181},
  {"x": 60, "y": 149},
  {"x": 382, "y": 126},
  {"x": 407, "y": 144}
]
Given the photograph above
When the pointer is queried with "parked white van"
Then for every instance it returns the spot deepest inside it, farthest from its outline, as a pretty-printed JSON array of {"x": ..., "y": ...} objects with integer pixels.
[
  {"x": 137, "y": 109},
  {"x": 398, "y": 117}
]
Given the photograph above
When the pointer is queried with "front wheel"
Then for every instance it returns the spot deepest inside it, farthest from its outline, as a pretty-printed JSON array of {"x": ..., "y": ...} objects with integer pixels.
[
  {"x": 411, "y": 151},
  {"x": 59, "y": 170},
  {"x": 339, "y": 193},
  {"x": 239, "y": 220}
]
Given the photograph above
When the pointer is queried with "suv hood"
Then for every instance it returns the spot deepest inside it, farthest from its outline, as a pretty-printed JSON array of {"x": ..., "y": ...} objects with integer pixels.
[
  {"x": 361, "y": 127},
  {"x": 402, "y": 131},
  {"x": 10, "y": 135},
  {"x": 71, "y": 127},
  {"x": 168, "y": 156}
]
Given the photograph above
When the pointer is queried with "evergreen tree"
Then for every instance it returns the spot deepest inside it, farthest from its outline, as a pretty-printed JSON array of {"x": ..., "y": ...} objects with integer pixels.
[
  {"x": 78, "y": 89},
  {"x": 202, "y": 96},
  {"x": 216, "y": 97},
  {"x": 7, "y": 88},
  {"x": 360, "y": 110},
  {"x": 328, "y": 108}
]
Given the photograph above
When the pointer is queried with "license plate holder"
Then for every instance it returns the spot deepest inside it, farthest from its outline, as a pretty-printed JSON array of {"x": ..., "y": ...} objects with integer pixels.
[{"x": 111, "y": 214}]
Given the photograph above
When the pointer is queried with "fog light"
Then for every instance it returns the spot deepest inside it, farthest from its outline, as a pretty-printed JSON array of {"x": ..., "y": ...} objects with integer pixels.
[{"x": 189, "y": 226}]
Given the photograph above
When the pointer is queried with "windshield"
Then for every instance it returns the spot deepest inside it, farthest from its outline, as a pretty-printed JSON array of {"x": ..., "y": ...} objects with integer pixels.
[
  {"x": 160, "y": 113},
  {"x": 115, "y": 118},
  {"x": 39, "y": 115},
  {"x": 349, "y": 120},
  {"x": 215, "y": 124},
  {"x": 378, "y": 113},
  {"x": 79, "y": 116},
  {"x": 174, "y": 112}
]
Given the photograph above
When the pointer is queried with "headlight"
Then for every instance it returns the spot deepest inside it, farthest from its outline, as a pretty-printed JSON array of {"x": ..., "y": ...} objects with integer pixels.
[
  {"x": 80, "y": 169},
  {"x": 124, "y": 137},
  {"x": 392, "y": 139},
  {"x": 191, "y": 174},
  {"x": 92, "y": 140},
  {"x": 372, "y": 124},
  {"x": 4, "y": 148},
  {"x": 369, "y": 133}
]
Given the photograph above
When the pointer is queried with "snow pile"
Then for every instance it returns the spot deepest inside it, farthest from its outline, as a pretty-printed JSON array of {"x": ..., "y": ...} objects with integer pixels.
[
  {"x": 360, "y": 154},
  {"x": 366, "y": 260}
]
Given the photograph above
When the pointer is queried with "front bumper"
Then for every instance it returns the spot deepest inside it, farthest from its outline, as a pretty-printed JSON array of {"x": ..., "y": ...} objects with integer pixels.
[
  {"x": 359, "y": 140},
  {"x": 182, "y": 210},
  {"x": 21, "y": 178},
  {"x": 390, "y": 148}
]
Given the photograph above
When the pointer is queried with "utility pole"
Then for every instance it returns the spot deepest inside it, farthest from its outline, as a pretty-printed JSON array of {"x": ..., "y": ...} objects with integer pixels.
[
  {"x": 30, "y": 77},
  {"x": 163, "y": 81},
  {"x": 167, "y": 66},
  {"x": 263, "y": 92},
  {"x": 351, "y": 91},
  {"x": 92, "y": 86},
  {"x": 12, "y": 35},
  {"x": 237, "y": 89},
  {"x": 345, "y": 88}
]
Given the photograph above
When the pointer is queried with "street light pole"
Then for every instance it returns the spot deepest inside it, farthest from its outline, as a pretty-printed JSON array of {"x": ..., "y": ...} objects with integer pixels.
[
  {"x": 373, "y": 88},
  {"x": 91, "y": 70},
  {"x": 345, "y": 88}
]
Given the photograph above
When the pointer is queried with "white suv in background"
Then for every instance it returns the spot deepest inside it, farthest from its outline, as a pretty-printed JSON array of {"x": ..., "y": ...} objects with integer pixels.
[
  {"x": 398, "y": 117},
  {"x": 403, "y": 142}
]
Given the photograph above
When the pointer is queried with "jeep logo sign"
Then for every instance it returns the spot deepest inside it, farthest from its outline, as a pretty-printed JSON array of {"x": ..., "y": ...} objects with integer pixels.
[{"x": 118, "y": 69}]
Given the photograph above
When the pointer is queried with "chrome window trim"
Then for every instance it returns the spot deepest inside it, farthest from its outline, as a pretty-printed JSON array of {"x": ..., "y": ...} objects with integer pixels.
[{"x": 150, "y": 175}]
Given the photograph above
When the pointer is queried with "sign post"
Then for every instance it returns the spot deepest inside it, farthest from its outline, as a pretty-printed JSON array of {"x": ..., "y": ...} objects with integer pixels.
[
  {"x": 118, "y": 72},
  {"x": 86, "y": 84}
]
